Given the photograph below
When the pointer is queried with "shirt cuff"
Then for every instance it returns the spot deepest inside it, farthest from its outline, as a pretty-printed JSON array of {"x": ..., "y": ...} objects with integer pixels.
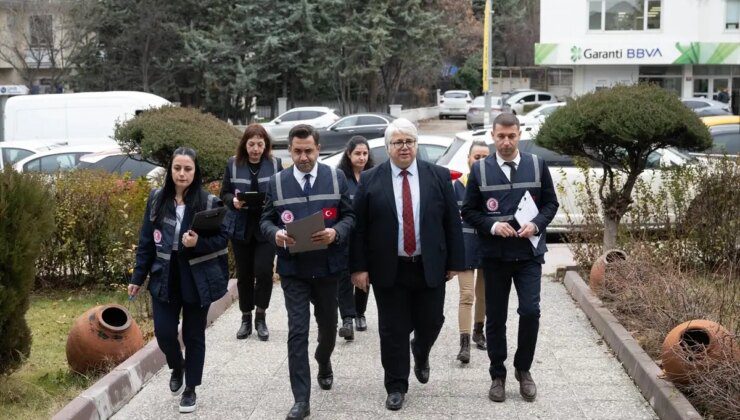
[{"x": 493, "y": 228}]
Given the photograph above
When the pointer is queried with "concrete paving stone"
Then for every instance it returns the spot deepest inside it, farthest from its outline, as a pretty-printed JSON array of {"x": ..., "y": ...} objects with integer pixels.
[
  {"x": 546, "y": 409},
  {"x": 606, "y": 392},
  {"x": 360, "y": 402},
  {"x": 600, "y": 376},
  {"x": 449, "y": 405},
  {"x": 616, "y": 410},
  {"x": 334, "y": 415}
]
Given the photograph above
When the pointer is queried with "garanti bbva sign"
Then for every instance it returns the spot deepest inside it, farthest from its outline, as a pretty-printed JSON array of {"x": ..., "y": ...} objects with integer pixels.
[{"x": 648, "y": 53}]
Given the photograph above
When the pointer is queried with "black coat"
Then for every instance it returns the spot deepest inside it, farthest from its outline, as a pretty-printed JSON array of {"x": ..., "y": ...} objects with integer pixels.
[{"x": 374, "y": 246}]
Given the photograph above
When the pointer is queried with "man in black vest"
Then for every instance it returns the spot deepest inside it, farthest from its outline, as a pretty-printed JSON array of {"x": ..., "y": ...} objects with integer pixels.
[
  {"x": 407, "y": 243},
  {"x": 306, "y": 188},
  {"x": 495, "y": 189}
]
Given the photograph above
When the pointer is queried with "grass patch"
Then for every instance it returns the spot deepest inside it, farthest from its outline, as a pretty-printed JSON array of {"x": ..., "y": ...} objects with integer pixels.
[{"x": 44, "y": 384}]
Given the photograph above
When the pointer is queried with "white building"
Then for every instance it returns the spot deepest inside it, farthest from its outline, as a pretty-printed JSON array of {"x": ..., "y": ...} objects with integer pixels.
[{"x": 691, "y": 47}]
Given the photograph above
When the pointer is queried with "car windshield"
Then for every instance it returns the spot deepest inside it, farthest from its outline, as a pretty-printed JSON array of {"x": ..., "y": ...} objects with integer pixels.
[{"x": 455, "y": 95}]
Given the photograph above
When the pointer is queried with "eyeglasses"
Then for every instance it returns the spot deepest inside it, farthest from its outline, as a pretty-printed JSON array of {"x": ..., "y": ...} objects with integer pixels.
[{"x": 400, "y": 144}]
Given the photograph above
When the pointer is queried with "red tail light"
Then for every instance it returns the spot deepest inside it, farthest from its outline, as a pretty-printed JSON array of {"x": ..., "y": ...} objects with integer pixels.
[{"x": 455, "y": 174}]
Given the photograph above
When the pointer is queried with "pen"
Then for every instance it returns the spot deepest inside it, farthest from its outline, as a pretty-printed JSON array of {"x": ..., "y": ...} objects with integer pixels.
[{"x": 285, "y": 242}]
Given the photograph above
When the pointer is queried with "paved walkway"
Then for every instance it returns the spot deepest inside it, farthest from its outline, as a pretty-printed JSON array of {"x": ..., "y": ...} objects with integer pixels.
[{"x": 576, "y": 374}]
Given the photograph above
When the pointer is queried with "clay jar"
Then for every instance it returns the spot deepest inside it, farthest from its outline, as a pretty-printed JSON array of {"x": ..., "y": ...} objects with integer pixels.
[
  {"x": 598, "y": 269},
  {"x": 691, "y": 346},
  {"x": 103, "y": 336}
]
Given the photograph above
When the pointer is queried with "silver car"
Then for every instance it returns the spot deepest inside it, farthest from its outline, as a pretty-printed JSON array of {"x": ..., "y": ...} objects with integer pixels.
[
  {"x": 316, "y": 116},
  {"x": 477, "y": 111},
  {"x": 706, "y": 107}
]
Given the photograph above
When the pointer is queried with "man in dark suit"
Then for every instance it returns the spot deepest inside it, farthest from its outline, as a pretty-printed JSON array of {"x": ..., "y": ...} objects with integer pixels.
[
  {"x": 495, "y": 188},
  {"x": 407, "y": 243},
  {"x": 304, "y": 189}
]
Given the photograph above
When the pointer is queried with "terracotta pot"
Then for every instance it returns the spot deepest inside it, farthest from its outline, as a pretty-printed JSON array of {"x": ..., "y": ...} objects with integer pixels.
[
  {"x": 691, "y": 346},
  {"x": 103, "y": 336},
  {"x": 598, "y": 269}
]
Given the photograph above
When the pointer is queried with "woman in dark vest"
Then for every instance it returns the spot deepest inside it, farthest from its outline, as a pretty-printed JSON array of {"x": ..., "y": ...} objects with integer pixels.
[
  {"x": 472, "y": 283},
  {"x": 250, "y": 170},
  {"x": 186, "y": 271},
  {"x": 356, "y": 158}
]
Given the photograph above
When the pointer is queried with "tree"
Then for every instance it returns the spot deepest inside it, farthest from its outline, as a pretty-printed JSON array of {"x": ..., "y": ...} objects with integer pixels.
[
  {"x": 515, "y": 30},
  {"x": 39, "y": 40},
  {"x": 619, "y": 128},
  {"x": 470, "y": 76}
]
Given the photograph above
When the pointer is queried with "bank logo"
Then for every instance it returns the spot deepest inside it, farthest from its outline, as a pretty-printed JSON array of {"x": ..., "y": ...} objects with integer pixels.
[{"x": 575, "y": 53}]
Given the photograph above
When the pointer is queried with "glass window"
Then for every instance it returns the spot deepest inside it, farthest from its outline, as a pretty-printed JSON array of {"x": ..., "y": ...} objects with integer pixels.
[
  {"x": 543, "y": 97},
  {"x": 61, "y": 162},
  {"x": 309, "y": 115},
  {"x": 346, "y": 122},
  {"x": 624, "y": 15},
  {"x": 136, "y": 168},
  {"x": 549, "y": 110},
  {"x": 41, "y": 30},
  {"x": 528, "y": 98},
  {"x": 370, "y": 120},
  {"x": 290, "y": 116},
  {"x": 701, "y": 87},
  {"x": 732, "y": 14},
  {"x": 480, "y": 101},
  {"x": 456, "y": 95},
  {"x": 594, "y": 14},
  {"x": 380, "y": 154},
  {"x": 109, "y": 163},
  {"x": 431, "y": 152},
  {"x": 695, "y": 104},
  {"x": 12, "y": 155},
  {"x": 726, "y": 143},
  {"x": 653, "y": 14},
  {"x": 661, "y": 71},
  {"x": 32, "y": 166}
]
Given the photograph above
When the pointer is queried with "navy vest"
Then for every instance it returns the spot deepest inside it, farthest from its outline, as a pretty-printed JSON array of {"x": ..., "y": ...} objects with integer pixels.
[
  {"x": 241, "y": 181},
  {"x": 291, "y": 204},
  {"x": 470, "y": 234},
  {"x": 501, "y": 198}
]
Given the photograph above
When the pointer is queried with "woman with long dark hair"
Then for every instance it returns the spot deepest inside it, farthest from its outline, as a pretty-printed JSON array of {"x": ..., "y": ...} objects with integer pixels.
[
  {"x": 249, "y": 171},
  {"x": 356, "y": 158},
  {"x": 187, "y": 271}
]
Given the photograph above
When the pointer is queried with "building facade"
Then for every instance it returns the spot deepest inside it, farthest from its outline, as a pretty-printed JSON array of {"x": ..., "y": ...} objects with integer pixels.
[{"x": 690, "y": 47}]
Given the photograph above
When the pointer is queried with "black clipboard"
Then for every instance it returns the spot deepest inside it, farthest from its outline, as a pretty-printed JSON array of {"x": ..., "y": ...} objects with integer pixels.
[
  {"x": 208, "y": 222},
  {"x": 251, "y": 198}
]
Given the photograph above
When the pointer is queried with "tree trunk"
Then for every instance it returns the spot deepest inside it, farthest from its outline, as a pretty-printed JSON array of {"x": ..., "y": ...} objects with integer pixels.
[{"x": 611, "y": 226}]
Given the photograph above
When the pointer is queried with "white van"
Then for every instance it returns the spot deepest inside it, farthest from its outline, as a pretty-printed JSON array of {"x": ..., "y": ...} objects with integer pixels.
[{"x": 77, "y": 118}]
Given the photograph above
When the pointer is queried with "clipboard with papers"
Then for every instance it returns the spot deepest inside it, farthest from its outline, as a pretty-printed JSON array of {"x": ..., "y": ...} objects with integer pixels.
[
  {"x": 301, "y": 231},
  {"x": 527, "y": 210}
]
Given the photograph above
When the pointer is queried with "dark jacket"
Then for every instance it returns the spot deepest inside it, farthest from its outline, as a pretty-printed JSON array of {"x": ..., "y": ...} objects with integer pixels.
[
  {"x": 205, "y": 265},
  {"x": 470, "y": 235},
  {"x": 497, "y": 200},
  {"x": 375, "y": 240},
  {"x": 288, "y": 203},
  {"x": 237, "y": 178}
]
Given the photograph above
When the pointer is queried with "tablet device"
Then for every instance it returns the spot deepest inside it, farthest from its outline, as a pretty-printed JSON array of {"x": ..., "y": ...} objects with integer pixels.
[
  {"x": 208, "y": 222},
  {"x": 251, "y": 198}
]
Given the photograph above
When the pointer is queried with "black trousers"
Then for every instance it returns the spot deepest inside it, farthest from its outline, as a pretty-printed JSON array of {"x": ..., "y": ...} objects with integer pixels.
[
  {"x": 349, "y": 305},
  {"x": 409, "y": 305},
  {"x": 527, "y": 276},
  {"x": 254, "y": 262},
  {"x": 194, "y": 320},
  {"x": 299, "y": 293}
]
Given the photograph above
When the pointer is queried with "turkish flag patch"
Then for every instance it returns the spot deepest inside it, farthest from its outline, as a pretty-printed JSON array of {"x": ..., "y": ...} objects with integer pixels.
[{"x": 330, "y": 213}]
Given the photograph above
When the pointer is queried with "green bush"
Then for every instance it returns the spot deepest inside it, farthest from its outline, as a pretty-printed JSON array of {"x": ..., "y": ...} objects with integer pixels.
[
  {"x": 98, "y": 216},
  {"x": 25, "y": 222},
  {"x": 158, "y": 132}
]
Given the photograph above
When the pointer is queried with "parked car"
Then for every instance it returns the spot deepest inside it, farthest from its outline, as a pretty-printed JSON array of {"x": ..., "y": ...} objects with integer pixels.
[
  {"x": 477, "y": 110},
  {"x": 316, "y": 116},
  {"x": 707, "y": 107},
  {"x": 532, "y": 120},
  {"x": 77, "y": 118},
  {"x": 455, "y": 103},
  {"x": 566, "y": 175},
  {"x": 13, "y": 151},
  {"x": 522, "y": 102},
  {"x": 369, "y": 125},
  {"x": 57, "y": 159},
  {"x": 431, "y": 148},
  {"x": 117, "y": 162},
  {"x": 725, "y": 131}
]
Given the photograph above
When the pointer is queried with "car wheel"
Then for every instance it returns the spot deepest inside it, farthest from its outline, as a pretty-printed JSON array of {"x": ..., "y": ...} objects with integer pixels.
[
  {"x": 441, "y": 117},
  {"x": 470, "y": 126}
]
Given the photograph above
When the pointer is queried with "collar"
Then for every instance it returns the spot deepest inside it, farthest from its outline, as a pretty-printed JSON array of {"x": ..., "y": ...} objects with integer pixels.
[
  {"x": 396, "y": 171},
  {"x": 314, "y": 172},
  {"x": 516, "y": 159}
]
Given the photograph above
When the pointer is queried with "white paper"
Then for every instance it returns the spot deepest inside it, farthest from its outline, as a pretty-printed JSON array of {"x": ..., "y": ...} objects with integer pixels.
[{"x": 526, "y": 211}]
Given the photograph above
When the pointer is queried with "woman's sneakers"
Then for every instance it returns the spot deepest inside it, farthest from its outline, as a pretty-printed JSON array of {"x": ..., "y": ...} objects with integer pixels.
[
  {"x": 177, "y": 382},
  {"x": 187, "y": 401},
  {"x": 245, "y": 329},
  {"x": 261, "y": 326}
]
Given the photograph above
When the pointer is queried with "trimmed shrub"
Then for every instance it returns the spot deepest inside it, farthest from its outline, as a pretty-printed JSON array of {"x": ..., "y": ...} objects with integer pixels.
[
  {"x": 26, "y": 220},
  {"x": 158, "y": 132}
]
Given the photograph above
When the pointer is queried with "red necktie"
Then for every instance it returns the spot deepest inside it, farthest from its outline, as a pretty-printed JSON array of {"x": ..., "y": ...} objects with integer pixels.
[{"x": 409, "y": 236}]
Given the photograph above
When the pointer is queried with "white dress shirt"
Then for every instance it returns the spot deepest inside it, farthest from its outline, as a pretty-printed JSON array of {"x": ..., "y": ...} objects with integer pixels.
[
  {"x": 301, "y": 176},
  {"x": 507, "y": 171},
  {"x": 413, "y": 178},
  {"x": 179, "y": 214}
]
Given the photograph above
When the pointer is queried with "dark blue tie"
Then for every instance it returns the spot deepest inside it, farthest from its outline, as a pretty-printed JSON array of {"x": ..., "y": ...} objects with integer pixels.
[{"x": 307, "y": 185}]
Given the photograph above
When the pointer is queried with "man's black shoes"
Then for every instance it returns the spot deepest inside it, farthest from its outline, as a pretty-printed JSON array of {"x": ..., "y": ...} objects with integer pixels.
[
  {"x": 177, "y": 382},
  {"x": 245, "y": 330},
  {"x": 394, "y": 401},
  {"x": 497, "y": 392},
  {"x": 300, "y": 410},
  {"x": 527, "y": 387},
  {"x": 187, "y": 401},
  {"x": 421, "y": 369},
  {"x": 361, "y": 323},
  {"x": 325, "y": 376},
  {"x": 261, "y": 326},
  {"x": 346, "y": 331}
]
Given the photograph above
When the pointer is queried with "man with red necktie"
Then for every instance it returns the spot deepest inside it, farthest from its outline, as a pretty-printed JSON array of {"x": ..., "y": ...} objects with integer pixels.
[{"x": 407, "y": 242}]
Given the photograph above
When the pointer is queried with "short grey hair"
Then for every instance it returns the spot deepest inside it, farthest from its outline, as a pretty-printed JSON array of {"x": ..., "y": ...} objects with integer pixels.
[{"x": 400, "y": 125}]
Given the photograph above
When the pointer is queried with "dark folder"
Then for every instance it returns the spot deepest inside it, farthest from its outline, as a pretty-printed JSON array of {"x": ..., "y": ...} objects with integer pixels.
[
  {"x": 251, "y": 198},
  {"x": 208, "y": 222}
]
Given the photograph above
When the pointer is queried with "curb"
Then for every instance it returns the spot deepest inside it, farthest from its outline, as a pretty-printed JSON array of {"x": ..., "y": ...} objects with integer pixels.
[
  {"x": 112, "y": 391},
  {"x": 667, "y": 401}
]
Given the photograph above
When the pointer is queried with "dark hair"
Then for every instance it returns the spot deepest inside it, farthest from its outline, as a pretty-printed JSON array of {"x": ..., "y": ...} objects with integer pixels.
[
  {"x": 345, "y": 164},
  {"x": 253, "y": 130},
  {"x": 477, "y": 143},
  {"x": 164, "y": 203},
  {"x": 506, "y": 119},
  {"x": 303, "y": 131}
]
